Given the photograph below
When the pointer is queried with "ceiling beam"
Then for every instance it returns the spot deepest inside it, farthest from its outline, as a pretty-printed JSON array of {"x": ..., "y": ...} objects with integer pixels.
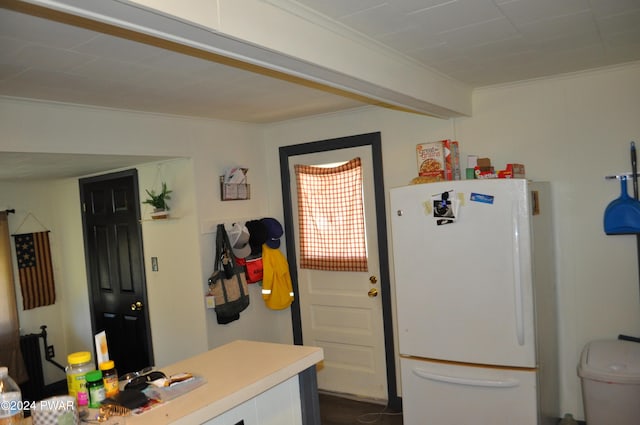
[{"x": 269, "y": 39}]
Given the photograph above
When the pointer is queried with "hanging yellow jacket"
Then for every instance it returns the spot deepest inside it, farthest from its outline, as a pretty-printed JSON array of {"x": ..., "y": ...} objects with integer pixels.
[{"x": 277, "y": 290}]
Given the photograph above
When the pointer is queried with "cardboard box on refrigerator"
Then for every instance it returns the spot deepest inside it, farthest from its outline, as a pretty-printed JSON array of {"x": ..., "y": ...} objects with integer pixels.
[
  {"x": 455, "y": 160},
  {"x": 439, "y": 160}
]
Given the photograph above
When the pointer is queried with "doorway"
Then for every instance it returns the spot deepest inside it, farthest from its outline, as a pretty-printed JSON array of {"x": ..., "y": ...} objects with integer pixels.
[
  {"x": 115, "y": 267},
  {"x": 333, "y": 150}
]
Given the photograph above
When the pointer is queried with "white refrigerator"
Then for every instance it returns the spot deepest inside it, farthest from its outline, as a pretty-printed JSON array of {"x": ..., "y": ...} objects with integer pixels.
[{"x": 475, "y": 302}]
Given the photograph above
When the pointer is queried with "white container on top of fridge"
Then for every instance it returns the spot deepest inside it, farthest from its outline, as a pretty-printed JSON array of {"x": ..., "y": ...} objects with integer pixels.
[{"x": 475, "y": 298}]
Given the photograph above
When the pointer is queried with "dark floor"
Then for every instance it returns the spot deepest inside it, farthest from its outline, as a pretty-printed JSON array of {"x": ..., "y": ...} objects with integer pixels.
[{"x": 341, "y": 411}]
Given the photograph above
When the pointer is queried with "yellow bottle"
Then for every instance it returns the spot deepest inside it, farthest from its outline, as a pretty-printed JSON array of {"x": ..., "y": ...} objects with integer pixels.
[{"x": 110, "y": 378}]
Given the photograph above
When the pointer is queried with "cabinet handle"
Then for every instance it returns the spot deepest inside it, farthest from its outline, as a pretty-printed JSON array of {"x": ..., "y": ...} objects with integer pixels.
[
  {"x": 471, "y": 382},
  {"x": 517, "y": 278}
]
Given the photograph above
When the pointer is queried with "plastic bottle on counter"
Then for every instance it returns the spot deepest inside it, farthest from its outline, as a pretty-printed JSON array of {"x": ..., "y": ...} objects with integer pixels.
[
  {"x": 11, "y": 409},
  {"x": 109, "y": 378},
  {"x": 95, "y": 388},
  {"x": 79, "y": 365}
]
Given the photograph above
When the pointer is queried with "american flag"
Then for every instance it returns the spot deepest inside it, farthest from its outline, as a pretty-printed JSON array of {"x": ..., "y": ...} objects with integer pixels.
[{"x": 35, "y": 269}]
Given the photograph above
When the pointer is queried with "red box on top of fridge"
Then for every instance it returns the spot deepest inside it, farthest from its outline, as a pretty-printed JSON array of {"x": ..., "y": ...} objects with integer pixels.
[
  {"x": 512, "y": 171},
  {"x": 439, "y": 160}
]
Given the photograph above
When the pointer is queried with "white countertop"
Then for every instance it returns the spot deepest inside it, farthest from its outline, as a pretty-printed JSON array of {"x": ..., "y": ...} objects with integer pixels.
[{"x": 235, "y": 373}]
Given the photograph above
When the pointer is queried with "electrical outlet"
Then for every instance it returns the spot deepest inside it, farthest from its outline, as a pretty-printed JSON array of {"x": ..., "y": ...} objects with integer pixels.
[
  {"x": 50, "y": 352},
  {"x": 154, "y": 264}
]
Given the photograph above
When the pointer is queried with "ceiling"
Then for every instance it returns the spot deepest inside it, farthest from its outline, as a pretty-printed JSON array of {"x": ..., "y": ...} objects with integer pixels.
[
  {"x": 477, "y": 42},
  {"x": 487, "y": 42}
]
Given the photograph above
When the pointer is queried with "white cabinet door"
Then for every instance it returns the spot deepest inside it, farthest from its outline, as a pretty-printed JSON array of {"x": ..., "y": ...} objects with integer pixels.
[
  {"x": 278, "y": 406},
  {"x": 454, "y": 394}
]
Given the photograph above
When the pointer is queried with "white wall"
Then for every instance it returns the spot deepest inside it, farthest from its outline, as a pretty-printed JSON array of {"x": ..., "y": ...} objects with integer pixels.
[
  {"x": 571, "y": 131},
  {"x": 181, "y": 326},
  {"x": 174, "y": 291},
  {"x": 34, "y": 215}
]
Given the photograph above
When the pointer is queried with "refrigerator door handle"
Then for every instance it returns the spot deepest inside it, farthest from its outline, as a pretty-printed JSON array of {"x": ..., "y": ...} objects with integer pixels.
[
  {"x": 517, "y": 278},
  {"x": 492, "y": 383}
]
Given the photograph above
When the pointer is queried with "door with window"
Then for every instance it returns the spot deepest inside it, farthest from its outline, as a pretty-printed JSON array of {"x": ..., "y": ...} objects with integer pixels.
[{"x": 341, "y": 308}]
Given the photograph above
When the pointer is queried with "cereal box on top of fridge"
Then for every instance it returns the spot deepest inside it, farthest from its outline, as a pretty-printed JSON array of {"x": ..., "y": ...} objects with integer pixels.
[{"x": 435, "y": 159}]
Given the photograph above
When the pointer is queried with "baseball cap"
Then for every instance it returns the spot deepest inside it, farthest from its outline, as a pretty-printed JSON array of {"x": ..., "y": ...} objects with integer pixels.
[
  {"x": 239, "y": 240},
  {"x": 274, "y": 232},
  {"x": 257, "y": 235}
]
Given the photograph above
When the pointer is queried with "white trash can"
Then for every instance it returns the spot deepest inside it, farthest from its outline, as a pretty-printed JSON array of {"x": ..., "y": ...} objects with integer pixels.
[{"x": 610, "y": 374}]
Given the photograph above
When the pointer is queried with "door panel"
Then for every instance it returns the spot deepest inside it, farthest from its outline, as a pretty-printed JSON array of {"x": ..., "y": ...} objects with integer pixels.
[
  {"x": 126, "y": 273},
  {"x": 115, "y": 270},
  {"x": 337, "y": 312}
]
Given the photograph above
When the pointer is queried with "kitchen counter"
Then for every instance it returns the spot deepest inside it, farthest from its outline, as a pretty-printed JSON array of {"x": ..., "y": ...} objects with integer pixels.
[{"x": 236, "y": 373}]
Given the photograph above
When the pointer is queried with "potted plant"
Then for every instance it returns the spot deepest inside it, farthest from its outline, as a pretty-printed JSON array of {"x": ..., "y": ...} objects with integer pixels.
[{"x": 159, "y": 202}]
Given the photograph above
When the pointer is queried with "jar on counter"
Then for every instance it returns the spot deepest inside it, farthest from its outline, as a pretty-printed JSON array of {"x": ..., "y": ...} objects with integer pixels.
[
  {"x": 95, "y": 388},
  {"x": 109, "y": 378},
  {"x": 79, "y": 365}
]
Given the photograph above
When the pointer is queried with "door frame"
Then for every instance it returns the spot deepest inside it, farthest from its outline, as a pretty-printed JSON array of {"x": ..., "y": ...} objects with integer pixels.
[
  {"x": 133, "y": 173},
  {"x": 373, "y": 140}
]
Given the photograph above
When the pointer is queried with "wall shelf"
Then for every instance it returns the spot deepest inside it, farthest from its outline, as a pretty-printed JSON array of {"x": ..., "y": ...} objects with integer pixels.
[{"x": 158, "y": 220}]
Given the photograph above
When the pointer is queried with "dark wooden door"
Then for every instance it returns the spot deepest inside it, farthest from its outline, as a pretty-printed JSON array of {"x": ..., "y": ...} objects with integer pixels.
[{"x": 115, "y": 267}]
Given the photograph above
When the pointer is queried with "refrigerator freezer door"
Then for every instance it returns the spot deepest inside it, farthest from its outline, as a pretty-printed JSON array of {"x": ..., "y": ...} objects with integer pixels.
[
  {"x": 453, "y": 394},
  {"x": 464, "y": 289}
]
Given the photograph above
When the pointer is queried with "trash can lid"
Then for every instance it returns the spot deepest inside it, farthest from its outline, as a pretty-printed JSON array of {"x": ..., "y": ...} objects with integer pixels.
[{"x": 611, "y": 361}]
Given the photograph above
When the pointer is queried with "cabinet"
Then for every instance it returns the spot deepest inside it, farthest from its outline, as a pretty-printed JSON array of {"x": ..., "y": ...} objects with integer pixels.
[
  {"x": 281, "y": 389},
  {"x": 278, "y": 406}
]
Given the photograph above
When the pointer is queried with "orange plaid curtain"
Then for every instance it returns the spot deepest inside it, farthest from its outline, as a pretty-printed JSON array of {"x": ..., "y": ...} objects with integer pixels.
[{"x": 331, "y": 217}]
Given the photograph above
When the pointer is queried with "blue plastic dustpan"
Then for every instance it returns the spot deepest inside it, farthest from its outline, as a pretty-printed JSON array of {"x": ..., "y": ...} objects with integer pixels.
[{"x": 622, "y": 215}]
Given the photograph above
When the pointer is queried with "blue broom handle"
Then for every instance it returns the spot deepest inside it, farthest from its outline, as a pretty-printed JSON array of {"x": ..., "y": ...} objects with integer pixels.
[{"x": 634, "y": 170}]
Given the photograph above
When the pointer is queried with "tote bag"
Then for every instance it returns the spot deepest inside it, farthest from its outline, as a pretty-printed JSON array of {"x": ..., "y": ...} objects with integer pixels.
[{"x": 227, "y": 283}]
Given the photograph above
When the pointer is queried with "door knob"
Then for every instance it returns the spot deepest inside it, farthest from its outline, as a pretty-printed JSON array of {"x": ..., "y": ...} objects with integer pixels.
[
  {"x": 137, "y": 306},
  {"x": 373, "y": 280},
  {"x": 373, "y": 292}
]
